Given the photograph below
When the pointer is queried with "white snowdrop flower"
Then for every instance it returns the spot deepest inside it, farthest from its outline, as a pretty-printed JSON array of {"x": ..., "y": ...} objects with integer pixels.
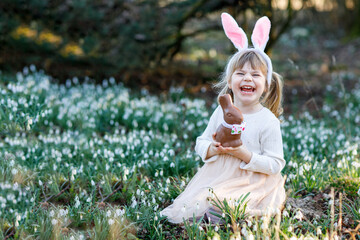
[
  {"x": 108, "y": 213},
  {"x": 264, "y": 225},
  {"x": 15, "y": 186},
  {"x": 161, "y": 172},
  {"x": 244, "y": 231},
  {"x": 54, "y": 221},
  {"x": 12, "y": 163},
  {"x": 249, "y": 223},
  {"x": 290, "y": 228},
  {"x": 355, "y": 164},
  {"x": 167, "y": 180},
  {"x": 92, "y": 183},
  {"x": 285, "y": 213},
  {"x": 250, "y": 237},
  {"x": 138, "y": 192},
  {"x": 52, "y": 213},
  {"x": 216, "y": 228},
  {"x": 155, "y": 218},
  {"x": 318, "y": 231},
  {"x": 223, "y": 215},
  {"x": 200, "y": 228},
  {"x": 14, "y": 171},
  {"x": 72, "y": 238},
  {"x": 156, "y": 174},
  {"x": 77, "y": 202},
  {"x": 299, "y": 215},
  {"x": 32, "y": 199},
  {"x": 18, "y": 218},
  {"x": 88, "y": 199},
  {"x": 133, "y": 204},
  {"x": 111, "y": 221},
  {"x": 172, "y": 165},
  {"x": 254, "y": 228},
  {"x": 62, "y": 212},
  {"x": 117, "y": 212}
]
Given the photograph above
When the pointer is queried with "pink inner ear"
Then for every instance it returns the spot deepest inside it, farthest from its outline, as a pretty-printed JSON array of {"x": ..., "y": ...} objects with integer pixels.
[
  {"x": 233, "y": 31},
  {"x": 261, "y": 32}
]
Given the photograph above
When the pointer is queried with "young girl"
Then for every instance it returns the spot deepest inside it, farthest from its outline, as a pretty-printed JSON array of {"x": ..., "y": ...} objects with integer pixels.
[{"x": 255, "y": 166}]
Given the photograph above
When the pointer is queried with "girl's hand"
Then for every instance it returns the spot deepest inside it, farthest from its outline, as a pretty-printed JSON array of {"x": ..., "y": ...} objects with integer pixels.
[
  {"x": 240, "y": 152},
  {"x": 226, "y": 150},
  {"x": 219, "y": 149}
]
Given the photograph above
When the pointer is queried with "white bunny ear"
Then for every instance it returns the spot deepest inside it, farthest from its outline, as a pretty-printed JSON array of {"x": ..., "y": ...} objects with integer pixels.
[
  {"x": 261, "y": 32},
  {"x": 234, "y": 32}
]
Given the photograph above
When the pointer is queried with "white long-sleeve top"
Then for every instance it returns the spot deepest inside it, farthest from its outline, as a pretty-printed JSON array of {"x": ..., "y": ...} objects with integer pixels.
[{"x": 262, "y": 137}]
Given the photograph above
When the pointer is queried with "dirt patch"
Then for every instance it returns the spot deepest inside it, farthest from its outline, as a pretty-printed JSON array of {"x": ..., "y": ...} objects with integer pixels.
[{"x": 312, "y": 207}]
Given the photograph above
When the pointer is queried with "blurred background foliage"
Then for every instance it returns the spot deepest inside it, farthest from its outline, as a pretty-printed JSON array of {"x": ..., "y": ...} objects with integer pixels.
[{"x": 153, "y": 42}]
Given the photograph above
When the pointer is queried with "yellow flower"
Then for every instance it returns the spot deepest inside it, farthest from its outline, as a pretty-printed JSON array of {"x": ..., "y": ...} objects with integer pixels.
[
  {"x": 24, "y": 31},
  {"x": 71, "y": 49},
  {"x": 48, "y": 37}
]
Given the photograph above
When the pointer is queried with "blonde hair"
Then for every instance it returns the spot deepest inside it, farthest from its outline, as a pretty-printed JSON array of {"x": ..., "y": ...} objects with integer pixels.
[{"x": 273, "y": 96}]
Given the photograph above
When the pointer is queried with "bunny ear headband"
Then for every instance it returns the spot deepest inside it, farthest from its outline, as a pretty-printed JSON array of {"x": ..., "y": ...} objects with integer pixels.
[{"x": 259, "y": 37}]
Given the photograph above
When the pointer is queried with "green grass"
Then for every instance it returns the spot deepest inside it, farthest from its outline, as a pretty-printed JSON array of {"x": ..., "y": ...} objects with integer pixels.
[{"x": 100, "y": 162}]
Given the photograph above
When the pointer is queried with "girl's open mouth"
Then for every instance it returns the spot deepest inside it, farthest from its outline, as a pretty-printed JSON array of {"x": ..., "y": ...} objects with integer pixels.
[{"x": 247, "y": 89}]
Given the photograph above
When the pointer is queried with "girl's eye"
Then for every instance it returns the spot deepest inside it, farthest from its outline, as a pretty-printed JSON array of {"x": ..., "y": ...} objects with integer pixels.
[
  {"x": 256, "y": 75},
  {"x": 240, "y": 73}
]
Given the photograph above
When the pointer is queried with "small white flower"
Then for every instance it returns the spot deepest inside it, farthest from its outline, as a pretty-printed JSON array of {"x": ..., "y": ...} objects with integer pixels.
[
  {"x": 216, "y": 228},
  {"x": 285, "y": 213},
  {"x": 52, "y": 213},
  {"x": 92, "y": 183},
  {"x": 299, "y": 215},
  {"x": 119, "y": 212},
  {"x": 54, "y": 221},
  {"x": 108, "y": 213},
  {"x": 111, "y": 221},
  {"x": 14, "y": 171}
]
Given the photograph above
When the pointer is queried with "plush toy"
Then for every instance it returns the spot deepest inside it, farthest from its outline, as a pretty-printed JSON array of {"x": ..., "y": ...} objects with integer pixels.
[{"x": 229, "y": 131}]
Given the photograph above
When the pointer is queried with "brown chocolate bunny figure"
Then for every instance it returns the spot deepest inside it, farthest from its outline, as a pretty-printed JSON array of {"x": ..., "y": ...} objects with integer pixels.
[{"x": 229, "y": 131}]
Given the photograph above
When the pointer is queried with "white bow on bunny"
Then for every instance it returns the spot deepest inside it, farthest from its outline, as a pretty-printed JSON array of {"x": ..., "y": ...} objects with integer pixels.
[{"x": 259, "y": 37}]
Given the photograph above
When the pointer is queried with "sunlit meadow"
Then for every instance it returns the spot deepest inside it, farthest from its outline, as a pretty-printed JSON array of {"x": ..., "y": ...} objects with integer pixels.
[{"x": 86, "y": 161}]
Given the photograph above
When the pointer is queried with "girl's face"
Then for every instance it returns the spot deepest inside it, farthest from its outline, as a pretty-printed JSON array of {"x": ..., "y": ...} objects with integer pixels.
[{"x": 247, "y": 85}]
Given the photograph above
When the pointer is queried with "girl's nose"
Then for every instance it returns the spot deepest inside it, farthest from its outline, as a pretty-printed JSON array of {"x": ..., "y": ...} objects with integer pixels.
[{"x": 247, "y": 77}]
